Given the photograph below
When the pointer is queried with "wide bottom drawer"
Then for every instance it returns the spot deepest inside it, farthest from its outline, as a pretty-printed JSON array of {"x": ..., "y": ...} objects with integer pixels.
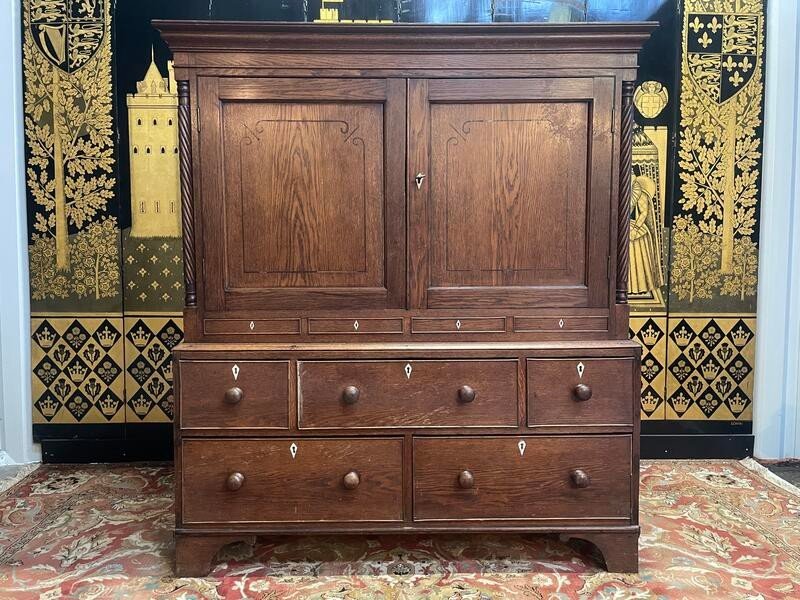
[
  {"x": 535, "y": 477},
  {"x": 292, "y": 480}
]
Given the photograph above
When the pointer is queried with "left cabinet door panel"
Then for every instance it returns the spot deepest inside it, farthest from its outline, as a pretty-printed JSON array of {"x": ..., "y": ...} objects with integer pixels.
[{"x": 302, "y": 192}]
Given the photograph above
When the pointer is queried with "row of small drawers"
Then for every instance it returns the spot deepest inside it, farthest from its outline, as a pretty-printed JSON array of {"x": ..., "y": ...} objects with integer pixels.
[
  {"x": 363, "y": 479},
  {"x": 389, "y": 325},
  {"x": 371, "y": 394}
]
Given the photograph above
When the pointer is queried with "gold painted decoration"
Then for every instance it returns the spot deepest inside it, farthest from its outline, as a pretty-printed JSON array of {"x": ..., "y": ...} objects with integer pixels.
[
  {"x": 651, "y": 332},
  {"x": 650, "y": 99},
  {"x": 329, "y": 13},
  {"x": 69, "y": 135},
  {"x": 720, "y": 150},
  {"x": 77, "y": 369}
]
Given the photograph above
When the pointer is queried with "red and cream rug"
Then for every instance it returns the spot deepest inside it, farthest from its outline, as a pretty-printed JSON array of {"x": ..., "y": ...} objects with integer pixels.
[{"x": 710, "y": 529}]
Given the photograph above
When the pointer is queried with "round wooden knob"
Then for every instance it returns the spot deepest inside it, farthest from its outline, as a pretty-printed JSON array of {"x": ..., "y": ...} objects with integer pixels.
[
  {"x": 466, "y": 393},
  {"x": 580, "y": 478},
  {"x": 234, "y": 395},
  {"x": 235, "y": 481},
  {"x": 351, "y": 480},
  {"x": 583, "y": 392},
  {"x": 466, "y": 479},
  {"x": 350, "y": 394}
]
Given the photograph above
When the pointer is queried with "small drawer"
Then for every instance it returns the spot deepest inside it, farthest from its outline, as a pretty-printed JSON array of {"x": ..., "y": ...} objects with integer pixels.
[
  {"x": 535, "y": 477},
  {"x": 253, "y": 394},
  {"x": 400, "y": 393},
  {"x": 459, "y": 325},
  {"x": 254, "y": 327},
  {"x": 590, "y": 391},
  {"x": 292, "y": 480},
  {"x": 531, "y": 324},
  {"x": 355, "y": 326}
]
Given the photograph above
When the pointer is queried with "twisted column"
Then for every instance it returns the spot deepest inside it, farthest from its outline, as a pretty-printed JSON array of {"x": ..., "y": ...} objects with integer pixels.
[
  {"x": 187, "y": 198},
  {"x": 624, "y": 208}
]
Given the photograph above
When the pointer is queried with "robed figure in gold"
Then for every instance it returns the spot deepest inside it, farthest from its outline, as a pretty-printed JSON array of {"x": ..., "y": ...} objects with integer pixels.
[{"x": 646, "y": 275}]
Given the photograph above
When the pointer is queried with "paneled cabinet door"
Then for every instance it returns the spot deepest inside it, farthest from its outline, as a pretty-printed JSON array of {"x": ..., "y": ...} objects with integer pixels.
[
  {"x": 510, "y": 201},
  {"x": 303, "y": 192}
]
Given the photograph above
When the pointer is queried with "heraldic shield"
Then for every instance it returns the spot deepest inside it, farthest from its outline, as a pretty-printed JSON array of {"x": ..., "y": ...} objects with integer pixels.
[
  {"x": 722, "y": 50},
  {"x": 68, "y": 32}
]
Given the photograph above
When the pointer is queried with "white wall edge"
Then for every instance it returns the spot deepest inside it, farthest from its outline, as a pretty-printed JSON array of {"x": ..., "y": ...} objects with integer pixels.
[
  {"x": 776, "y": 402},
  {"x": 16, "y": 436}
]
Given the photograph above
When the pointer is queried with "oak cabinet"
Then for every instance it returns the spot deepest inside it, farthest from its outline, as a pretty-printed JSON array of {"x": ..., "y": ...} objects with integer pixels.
[{"x": 406, "y": 257}]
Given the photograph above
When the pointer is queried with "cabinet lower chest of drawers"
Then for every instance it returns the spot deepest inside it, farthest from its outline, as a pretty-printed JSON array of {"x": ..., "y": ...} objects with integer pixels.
[{"x": 414, "y": 438}]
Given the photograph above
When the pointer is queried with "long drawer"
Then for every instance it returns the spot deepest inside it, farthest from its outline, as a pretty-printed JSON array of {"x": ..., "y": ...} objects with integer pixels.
[
  {"x": 292, "y": 480},
  {"x": 400, "y": 393},
  {"x": 534, "y": 477},
  {"x": 220, "y": 394}
]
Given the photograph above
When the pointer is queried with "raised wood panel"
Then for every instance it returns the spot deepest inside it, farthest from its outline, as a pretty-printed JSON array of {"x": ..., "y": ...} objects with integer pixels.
[
  {"x": 304, "y": 206},
  {"x": 407, "y": 393},
  {"x": 292, "y": 480},
  {"x": 515, "y": 481},
  {"x": 510, "y": 204}
]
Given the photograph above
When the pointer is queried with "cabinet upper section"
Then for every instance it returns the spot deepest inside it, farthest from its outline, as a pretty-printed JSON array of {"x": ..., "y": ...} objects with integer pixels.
[{"x": 475, "y": 174}]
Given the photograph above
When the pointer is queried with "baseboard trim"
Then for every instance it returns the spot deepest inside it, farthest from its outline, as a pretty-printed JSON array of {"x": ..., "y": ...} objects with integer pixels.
[
  {"x": 147, "y": 442},
  {"x": 696, "y": 446}
]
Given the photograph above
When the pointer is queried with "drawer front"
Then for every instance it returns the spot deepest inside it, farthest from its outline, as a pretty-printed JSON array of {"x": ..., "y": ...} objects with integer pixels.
[
  {"x": 541, "y": 477},
  {"x": 292, "y": 480},
  {"x": 456, "y": 325},
  {"x": 355, "y": 326},
  {"x": 525, "y": 324},
  {"x": 254, "y": 327},
  {"x": 593, "y": 391},
  {"x": 234, "y": 394},
  {"x": 418, "y": 393}
]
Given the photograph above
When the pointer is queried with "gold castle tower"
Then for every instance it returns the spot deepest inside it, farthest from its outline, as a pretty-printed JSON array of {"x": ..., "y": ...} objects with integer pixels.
[{"x": 154, "y": 163}]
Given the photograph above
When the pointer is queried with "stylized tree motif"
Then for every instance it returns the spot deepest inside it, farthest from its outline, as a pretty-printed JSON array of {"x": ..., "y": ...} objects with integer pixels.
[
  {"x": 68, "y": 120},
  {"x": 95, "y": 269},
  {"x": 46, "y": 283},
  {"x": 695, "y": 263},
  {"x": 744, "y": 278}
]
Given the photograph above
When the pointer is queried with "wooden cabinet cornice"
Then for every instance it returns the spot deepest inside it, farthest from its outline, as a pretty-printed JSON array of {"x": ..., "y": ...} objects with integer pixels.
[{"x": 406, "y": 255}]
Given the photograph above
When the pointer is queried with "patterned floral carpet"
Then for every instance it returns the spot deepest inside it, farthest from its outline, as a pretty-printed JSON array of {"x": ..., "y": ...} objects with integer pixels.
[{"x": 721, "y": 529}]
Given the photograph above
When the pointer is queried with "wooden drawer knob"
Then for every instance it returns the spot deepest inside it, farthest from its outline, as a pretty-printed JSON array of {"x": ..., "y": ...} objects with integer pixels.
[
  {"x": 580, "y": 478},
  {"x": 350, "y": 394},
  {"x": 466, "y": 393},
  {"x": 351, "y": 480},
  {"x": 466, "y": 479},
  {"x": 234, "y": 395},
  {"x": 583, "y": 392},
  {"x": 235, "y": 481}
]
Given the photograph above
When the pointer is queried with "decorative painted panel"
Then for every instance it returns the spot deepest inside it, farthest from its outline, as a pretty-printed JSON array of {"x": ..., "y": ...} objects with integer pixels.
[{"x": 104, "y": 217}]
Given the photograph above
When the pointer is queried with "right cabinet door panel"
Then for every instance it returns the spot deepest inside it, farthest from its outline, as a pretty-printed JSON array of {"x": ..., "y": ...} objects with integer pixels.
[{"x": 515, "y": 205}]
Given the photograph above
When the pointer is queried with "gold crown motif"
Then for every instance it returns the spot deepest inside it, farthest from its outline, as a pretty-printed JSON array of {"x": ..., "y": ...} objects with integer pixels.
[
  {"x": 46, "y": 338},
  {"x": 108, "y": 406},
  {"x": 682, "y": 336},
  {"x": 106, "y": 337},
  {"x": 737, "y": 403},
  {"x": 49, "y": 407},
  {"x": 650, "y": 402},
  {"x": 650, "y": 335},
  {"x": 166, "y": 370},
  {"x": 710, "y": 371},
  {"x": 694, "y": 386},
  {"x": 740, "y": 336},
  {"x": 77, "y": 373},
  {"x": 141, "y": 405},
  {"x": 140, "y": 337},
  {"x": 681, "y": 403}
]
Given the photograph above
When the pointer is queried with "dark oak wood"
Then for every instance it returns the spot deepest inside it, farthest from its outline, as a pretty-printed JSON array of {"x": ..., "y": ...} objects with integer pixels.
[
  {"x": 292, "y": 480},
  {"x": 581, "y": 391},
  {"x": 508, "y": 480},
  {"x": 396, "y": 232},
  {"x": 407, "y": 393},
  {"x": 234, "y": 393}
]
